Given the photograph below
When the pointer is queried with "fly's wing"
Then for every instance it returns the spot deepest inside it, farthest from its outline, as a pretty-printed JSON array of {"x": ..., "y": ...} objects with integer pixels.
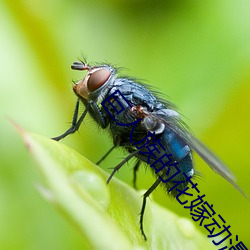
[{"x": 174, "y": 123}]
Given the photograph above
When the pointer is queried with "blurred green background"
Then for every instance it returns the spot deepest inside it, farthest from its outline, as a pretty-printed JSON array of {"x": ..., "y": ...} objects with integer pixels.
[{"x": 195, "y": 52}]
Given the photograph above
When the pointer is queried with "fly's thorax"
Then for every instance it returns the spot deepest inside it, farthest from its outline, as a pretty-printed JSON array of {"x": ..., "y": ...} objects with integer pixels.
[
  {"x": 94, "y": 84},
  {"x": 152, "y": 125}
]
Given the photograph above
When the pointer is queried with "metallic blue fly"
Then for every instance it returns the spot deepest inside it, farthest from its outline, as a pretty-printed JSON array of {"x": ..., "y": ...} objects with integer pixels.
[{"x": 148, "y": 127}]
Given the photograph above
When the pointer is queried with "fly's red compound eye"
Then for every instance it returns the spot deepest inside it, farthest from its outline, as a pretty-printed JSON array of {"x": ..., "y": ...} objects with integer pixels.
[{"x": 97, "y": 79}]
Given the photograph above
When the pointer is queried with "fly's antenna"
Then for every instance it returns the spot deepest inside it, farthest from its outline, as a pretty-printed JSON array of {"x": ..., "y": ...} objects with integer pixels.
[{"x": 80, "y": 66}]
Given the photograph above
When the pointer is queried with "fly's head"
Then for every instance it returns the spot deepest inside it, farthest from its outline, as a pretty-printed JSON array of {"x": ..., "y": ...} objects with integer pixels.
[{"x": 96, "y": 79}]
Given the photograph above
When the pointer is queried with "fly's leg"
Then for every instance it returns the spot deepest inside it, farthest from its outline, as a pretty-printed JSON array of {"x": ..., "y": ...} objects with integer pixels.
[
  {"x": 105, "y": 155},
  {"x": 145, "y": 196},
  {"x": 136, "y": 167},
  {"x": 98, "y": 114},
  {"x": 75, "y": 124},
  {"x": 121, "y": 164}
]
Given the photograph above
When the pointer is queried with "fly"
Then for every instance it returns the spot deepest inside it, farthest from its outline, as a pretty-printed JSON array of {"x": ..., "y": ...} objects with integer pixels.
[{"x": 158, "y": 136}]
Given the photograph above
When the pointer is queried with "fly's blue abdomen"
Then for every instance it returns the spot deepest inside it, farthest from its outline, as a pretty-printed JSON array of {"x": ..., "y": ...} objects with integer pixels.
[
  {"x": 169, "y": 158},
  {"x": 180, "y": 150}
]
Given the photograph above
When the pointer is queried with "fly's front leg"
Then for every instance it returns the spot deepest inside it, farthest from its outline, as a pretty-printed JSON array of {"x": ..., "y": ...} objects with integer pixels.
[
  {"x": 99, "y": 116},
  {"x": 75, "y": 124}
]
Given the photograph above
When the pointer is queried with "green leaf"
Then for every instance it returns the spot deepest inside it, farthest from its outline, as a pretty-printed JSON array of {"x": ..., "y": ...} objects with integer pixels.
[{"x": 106, "y": 215}]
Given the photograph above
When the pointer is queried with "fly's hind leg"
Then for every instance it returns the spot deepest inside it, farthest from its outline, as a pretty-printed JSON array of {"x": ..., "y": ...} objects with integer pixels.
[
  {"x": 135, "y": 169},
  {"x": 145, "y": 196}
]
